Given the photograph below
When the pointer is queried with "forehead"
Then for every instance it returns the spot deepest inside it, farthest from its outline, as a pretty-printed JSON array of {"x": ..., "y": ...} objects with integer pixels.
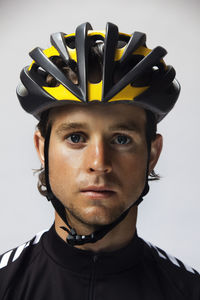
[{"x": 108, "y": 113}]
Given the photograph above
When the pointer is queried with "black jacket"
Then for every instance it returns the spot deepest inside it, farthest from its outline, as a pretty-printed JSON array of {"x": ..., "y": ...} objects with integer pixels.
[{"x": 46, "y": 268}]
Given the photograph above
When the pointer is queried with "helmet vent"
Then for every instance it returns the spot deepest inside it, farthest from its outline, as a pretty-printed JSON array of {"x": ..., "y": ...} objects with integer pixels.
[
  {"x": 95, "y": 62},
  {"x": 121, "y": 44},
  {"x": 70, "y": 42},
  {"x": 68, "y": 70}
]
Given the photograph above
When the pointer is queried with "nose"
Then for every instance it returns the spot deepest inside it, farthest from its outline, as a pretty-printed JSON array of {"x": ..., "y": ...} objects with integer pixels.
[{"x": 99, "y": 158}]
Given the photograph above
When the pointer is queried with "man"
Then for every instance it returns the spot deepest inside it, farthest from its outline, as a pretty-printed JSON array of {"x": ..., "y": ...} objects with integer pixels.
[{"x": 98, "y": 97}]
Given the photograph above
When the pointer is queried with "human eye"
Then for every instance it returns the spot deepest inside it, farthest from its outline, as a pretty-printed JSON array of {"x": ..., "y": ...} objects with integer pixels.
[
  {"x": 75, "y": 138},
  {"x": 121, "y": 139}
]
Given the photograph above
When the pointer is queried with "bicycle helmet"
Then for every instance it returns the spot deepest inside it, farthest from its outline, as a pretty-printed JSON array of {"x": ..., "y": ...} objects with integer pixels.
[
  {"x": 127, "y": 70},
  {"x": 142, "y": 76}
]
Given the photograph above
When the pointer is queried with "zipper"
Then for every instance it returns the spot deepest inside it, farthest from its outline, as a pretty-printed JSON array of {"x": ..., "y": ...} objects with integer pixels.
[{"x": 92, "y": 279}]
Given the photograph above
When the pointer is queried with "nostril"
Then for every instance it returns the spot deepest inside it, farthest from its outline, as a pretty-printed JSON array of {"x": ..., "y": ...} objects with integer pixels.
[{"x": 100, "y": 170}]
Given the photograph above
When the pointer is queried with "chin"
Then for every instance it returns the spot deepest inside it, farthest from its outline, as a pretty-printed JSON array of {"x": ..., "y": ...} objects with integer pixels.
[{"x": 100, "y": 216}]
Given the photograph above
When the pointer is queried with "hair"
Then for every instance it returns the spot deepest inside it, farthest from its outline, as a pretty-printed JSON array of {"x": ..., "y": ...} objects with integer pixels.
[{"x": 95, "y": 74}]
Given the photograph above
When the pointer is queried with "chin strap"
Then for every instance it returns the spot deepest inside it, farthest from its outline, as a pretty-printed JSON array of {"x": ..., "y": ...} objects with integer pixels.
[{"x": 73, "y": 238}]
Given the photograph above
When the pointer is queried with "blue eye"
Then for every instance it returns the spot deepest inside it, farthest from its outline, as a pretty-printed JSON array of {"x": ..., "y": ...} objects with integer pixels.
[
  {"x": 122, "y": 139},
  {"x": 75, "y": 138}
]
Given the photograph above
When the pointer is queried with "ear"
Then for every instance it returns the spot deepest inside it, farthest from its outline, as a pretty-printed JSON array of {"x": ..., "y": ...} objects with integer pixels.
[
  {"x": 39, "y": 146},
  {"x": 156, "y": 148}
]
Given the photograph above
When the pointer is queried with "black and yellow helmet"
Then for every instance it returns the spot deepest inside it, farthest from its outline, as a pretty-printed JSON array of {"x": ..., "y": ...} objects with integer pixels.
[{"x": 129, "y": 72}]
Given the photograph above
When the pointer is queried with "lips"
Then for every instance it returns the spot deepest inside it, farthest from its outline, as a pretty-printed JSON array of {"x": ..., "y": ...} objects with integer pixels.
[
  {"x": 97, "y": 192},
  {"x": 97, "y": 189}
]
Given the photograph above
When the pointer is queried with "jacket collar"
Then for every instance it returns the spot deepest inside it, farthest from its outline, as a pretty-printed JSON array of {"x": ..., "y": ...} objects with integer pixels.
[{"x": 82, "y": 261}]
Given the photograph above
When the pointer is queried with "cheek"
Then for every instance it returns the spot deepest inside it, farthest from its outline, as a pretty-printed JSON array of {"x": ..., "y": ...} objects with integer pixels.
[
  {"x": 63, "y": 160},
  {"x": 63, "y": 168},
  {"x": 132, "y": 171},
  {"x": 132, "y": 164}
]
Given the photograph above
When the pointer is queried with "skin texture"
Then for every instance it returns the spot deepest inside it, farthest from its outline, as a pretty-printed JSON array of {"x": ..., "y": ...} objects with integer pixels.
[{"x": 98, "y": 145}]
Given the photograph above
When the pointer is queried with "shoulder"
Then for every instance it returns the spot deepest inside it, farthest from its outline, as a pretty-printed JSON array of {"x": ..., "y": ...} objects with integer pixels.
[
  {"x": 173, "y": 271},
  {"x": 15, "y": 260},
  {"x": 9, "y": 257}
]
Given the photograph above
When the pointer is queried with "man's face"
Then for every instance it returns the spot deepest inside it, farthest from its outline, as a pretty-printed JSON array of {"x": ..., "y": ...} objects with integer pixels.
[{"x": 97, "y": 159}]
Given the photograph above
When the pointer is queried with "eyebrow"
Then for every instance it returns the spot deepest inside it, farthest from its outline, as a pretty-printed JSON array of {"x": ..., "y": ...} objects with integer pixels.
[
  {"x": 127, "y": 126},
  {"x": 71, "y": 125}
]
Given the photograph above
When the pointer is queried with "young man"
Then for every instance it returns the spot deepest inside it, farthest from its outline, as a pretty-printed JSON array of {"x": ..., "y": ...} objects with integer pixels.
[{"x": 98, "y": 97}]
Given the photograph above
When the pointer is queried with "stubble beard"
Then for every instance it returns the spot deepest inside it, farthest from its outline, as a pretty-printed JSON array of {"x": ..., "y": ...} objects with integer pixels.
[{"x": 95, "y": 222}]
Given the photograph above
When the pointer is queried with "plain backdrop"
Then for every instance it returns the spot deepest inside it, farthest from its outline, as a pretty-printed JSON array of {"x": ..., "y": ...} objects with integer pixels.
[{"x": 170, "y": 215}]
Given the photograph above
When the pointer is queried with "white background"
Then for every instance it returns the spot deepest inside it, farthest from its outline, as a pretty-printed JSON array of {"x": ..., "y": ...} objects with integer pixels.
[{"x": 170, "y": 215}]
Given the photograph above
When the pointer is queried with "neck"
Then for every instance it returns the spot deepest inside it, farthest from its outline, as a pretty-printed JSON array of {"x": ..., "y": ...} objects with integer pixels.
[{"x": 117, "y": 238}]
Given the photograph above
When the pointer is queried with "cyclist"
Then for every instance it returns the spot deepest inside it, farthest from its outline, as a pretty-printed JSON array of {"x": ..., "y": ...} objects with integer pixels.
[{"x": 98, "y": 97}]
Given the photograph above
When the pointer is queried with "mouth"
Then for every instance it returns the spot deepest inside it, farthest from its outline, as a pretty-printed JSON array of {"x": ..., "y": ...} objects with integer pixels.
[{"x": 98, "y": 192}]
